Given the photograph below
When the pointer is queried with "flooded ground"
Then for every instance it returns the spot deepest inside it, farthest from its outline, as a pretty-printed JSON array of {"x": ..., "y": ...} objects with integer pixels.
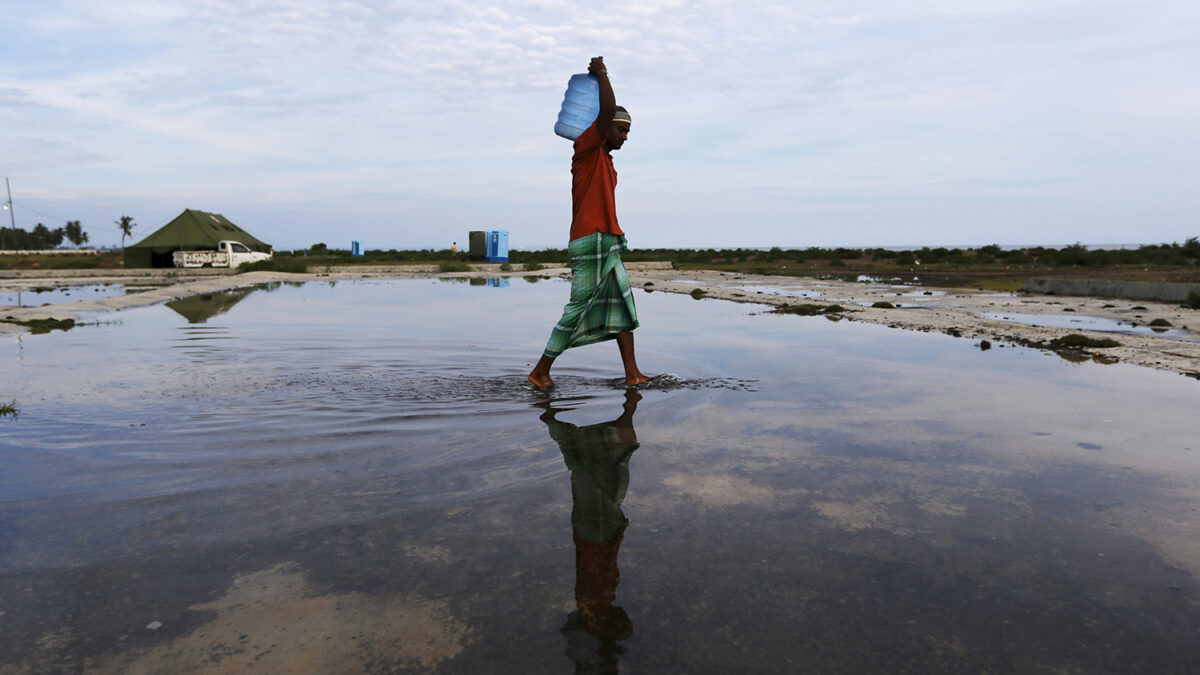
[
  {"x": 36, "y": 296},
  {"x": 1096, "y": 323},
  {"x": 356, "y": 477}
]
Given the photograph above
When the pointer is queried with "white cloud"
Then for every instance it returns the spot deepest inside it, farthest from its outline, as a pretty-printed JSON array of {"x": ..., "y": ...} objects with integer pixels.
[{"x": 882, "y": 122}]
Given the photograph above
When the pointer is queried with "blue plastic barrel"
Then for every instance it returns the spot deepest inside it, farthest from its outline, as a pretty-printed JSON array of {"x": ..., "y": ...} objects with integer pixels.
[{"x": 581, "y": 104}]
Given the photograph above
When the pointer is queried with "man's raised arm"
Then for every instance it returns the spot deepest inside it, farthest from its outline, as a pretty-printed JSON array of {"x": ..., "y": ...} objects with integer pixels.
[{"x": 608, "y": 100}]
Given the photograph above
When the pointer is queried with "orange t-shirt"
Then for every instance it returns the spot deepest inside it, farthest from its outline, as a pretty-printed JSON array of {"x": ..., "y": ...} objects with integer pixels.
[{"x": 593, "y": 187}]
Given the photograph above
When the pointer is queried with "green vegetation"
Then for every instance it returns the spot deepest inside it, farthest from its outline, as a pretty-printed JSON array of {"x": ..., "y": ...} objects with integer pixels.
[
  {"x": 9, "y": 409},
  {"x": 126, "y": 225},
  {"x": 505, "y": 267},
  {"x": 805, "y": 309},
  {"x": 1163, "y": 323},
  {"x": 293, "y": 265},
  {"x": 987, "y": 267},
  {"x": 42, "y": 237},
  {"x": 37, "y": 326},
  {"x": 1079, "y": 341},
  {"x": 698, "y": 293},
  {"x": 453, "y": 267},
  {"x": 1193, "y": 300},
  {"x": 883, "y": 305}
]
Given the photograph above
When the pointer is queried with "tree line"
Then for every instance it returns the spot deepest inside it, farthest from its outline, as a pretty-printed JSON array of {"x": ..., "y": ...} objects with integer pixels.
[
  {"x": 43, "y": 238},
  {"x": 1185, "y": 254}
]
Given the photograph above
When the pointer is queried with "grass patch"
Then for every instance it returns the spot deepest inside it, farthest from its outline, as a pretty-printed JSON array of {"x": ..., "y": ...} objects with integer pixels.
[
  {"x": 805, "y": 309},
  {"x": 698, "y": 293},
  {"x": 1161, "y": 323},
  {"x": 292, "y": 265},
  {"x": 533, "y": 266},
  {"x": 883, "y": 305},
  {"x": 1079, "y": 341},
  {"x": 9, "y": 409},
  {"x": 505, "y": 267},
  {"x": 453, "y": 267},
  {"x": 1193, "y": 300}
]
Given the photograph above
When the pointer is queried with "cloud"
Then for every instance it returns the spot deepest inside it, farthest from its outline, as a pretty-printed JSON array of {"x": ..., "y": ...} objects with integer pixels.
[{"x": 853, "y": 120}]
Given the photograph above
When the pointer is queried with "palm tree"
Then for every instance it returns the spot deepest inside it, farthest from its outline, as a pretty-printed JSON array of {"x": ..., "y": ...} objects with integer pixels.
[{"x": 126, "y": 224}]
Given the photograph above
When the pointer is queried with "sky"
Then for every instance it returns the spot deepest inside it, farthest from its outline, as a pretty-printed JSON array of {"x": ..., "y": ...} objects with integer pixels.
[{"x": 407, "y": 124}]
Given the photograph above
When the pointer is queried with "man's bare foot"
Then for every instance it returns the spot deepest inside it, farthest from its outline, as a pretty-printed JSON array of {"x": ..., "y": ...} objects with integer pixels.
[
  {"x": 541, "y": 381},
  {"x": 635, "y": 380}
]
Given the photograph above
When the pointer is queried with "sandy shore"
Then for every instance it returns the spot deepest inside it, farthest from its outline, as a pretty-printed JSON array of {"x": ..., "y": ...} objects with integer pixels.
[{"x": 971, "y": 314}]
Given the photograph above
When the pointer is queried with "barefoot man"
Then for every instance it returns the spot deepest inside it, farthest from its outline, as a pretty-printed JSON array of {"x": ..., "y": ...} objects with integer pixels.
[{"x": 601, "y": 305}]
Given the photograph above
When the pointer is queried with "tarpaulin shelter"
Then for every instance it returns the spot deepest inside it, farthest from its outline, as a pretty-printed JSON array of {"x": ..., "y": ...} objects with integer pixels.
[{"x": 190, "y": 231}]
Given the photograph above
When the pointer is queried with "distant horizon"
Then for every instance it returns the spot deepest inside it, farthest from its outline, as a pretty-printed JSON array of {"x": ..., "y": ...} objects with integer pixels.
[{"x": 1090, "y": 247}]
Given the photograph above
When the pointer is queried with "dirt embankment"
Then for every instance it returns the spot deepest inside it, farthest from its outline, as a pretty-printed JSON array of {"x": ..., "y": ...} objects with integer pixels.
[{"x": 994, "y": 317}]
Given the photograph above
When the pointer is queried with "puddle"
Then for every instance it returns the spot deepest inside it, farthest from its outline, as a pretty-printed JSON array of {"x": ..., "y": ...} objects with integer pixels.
[
  {"x": 53, "y": 295},
  {"x": 357, "y": 476},
  {"x": 779, "y": 290},
  {"x": 1096, "y": 323}
]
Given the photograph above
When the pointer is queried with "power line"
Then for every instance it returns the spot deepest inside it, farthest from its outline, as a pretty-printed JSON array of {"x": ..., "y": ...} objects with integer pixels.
[{"x": 40, "y": 213}]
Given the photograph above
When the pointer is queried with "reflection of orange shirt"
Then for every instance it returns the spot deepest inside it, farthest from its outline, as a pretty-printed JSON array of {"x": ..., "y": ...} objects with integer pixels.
[{"x": 593, "y": 187}]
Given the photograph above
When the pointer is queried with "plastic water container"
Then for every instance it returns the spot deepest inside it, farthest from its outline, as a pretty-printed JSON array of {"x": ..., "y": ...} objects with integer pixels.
[{"x": 580, "y": 106}]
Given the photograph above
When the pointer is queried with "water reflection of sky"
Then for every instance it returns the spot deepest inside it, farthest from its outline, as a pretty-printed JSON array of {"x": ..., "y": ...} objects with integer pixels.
[
  {"x": 52, "y": 295},
  {"x": 365, "y": 457},
  {"x": 1097, "y": 323}
]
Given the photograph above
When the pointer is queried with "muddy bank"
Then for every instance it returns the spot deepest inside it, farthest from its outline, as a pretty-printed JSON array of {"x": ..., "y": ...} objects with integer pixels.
[{"x": 993, "y": 319}]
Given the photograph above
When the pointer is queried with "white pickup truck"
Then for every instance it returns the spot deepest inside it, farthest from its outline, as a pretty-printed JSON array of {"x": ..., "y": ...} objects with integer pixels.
[{"x": 228, "y": 254}]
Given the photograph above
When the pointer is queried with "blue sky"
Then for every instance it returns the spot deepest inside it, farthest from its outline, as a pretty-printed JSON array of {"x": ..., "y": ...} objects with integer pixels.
[{"x": 407, "y": 124}]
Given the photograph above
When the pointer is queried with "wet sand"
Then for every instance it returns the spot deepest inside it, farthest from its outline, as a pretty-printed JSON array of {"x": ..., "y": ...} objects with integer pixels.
[{"x": 961, "y": 312}]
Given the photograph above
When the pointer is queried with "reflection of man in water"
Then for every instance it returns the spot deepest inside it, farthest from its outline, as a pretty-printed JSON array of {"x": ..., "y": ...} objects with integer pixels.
[{"x": 598, "y": 457}]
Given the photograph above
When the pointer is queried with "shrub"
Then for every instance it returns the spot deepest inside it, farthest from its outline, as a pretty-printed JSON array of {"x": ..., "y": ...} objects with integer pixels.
[
  {"x": 532, "y": 266},
  {"x": 293, "y": 265},
  {"x": 453, "y": 267},
  {"x": 1080, "y": 340}
]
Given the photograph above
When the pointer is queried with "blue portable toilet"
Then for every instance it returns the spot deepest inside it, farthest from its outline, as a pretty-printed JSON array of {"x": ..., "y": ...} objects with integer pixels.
[
  {"x": 356, "y": 248},
  {"x": 497, "y": 246}
]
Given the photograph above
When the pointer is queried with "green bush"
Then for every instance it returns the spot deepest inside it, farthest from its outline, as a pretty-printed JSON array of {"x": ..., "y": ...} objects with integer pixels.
[
  {"x": 293, "y": 265},
  {"x": 453, "y": 267},
  {"x": 1079, "y": 340}
]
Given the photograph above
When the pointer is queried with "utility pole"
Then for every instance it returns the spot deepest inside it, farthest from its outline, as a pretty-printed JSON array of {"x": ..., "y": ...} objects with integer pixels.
[{"x": 11, "y": 218}]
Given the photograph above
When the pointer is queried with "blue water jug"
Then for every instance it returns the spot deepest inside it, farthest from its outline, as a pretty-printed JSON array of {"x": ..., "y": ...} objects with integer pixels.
[{"x": 580, "y": 106}]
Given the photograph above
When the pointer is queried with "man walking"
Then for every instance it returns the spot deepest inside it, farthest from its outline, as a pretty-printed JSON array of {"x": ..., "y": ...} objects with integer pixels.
[{"x": 601, "y": 305}]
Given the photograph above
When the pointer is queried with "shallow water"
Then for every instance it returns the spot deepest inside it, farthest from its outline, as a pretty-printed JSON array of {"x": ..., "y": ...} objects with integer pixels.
[
  {"x": 355, "y": 476},
  {"x": 1096, "y": 323},
  {"x": 52, "y": 295}
]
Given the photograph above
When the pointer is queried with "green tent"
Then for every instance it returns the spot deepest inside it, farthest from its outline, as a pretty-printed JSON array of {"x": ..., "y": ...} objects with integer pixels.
[{"x": 190, "y": 231}]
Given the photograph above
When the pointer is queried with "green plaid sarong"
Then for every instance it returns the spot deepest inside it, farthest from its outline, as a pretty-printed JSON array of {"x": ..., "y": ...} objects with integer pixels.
[{"x": 601, "y": 302}]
